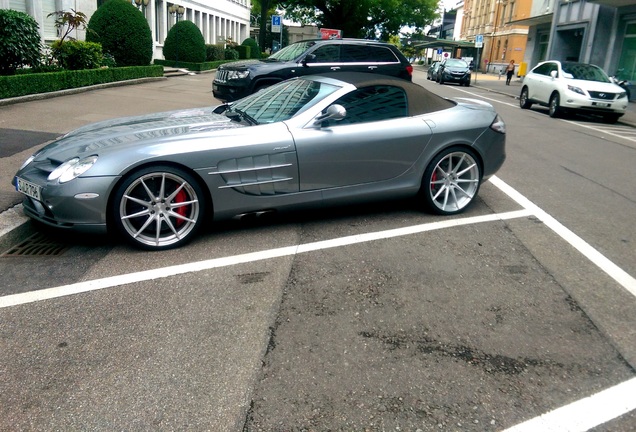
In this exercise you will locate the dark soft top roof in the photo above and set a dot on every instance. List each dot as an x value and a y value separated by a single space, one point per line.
420 100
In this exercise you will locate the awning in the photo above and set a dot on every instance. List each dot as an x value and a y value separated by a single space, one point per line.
533 21
445 43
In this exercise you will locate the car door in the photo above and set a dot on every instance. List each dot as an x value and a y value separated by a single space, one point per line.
376 141
324 58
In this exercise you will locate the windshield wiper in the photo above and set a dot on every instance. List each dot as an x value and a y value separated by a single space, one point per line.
234 113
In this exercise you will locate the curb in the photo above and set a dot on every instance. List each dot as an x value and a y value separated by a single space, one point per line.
41 96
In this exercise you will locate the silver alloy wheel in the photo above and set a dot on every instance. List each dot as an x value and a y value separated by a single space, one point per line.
524 103
454 182
159 209
555 110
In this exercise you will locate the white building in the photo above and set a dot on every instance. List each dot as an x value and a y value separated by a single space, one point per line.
218 20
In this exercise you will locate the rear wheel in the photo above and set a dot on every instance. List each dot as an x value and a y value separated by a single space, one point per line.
451 181
524 102
555 106
158 208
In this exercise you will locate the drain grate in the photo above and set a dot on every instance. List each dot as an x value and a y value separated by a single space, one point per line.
37 245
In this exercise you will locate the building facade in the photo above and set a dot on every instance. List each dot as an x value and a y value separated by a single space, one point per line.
218 20
495 21
602 32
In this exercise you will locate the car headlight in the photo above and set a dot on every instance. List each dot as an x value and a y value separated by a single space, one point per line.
232 75
576 90
72 168
621 95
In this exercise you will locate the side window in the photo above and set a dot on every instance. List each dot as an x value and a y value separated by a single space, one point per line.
374 103
327 54
367 54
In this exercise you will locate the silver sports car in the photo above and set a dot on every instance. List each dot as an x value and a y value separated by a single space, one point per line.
312 141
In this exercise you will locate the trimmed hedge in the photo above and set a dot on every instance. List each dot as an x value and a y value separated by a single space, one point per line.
22 85
184 43
194 67
244 51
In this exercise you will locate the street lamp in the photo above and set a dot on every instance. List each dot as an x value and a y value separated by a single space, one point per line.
142 5
177 11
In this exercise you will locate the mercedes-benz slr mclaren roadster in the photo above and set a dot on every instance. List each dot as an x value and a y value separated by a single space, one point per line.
312 141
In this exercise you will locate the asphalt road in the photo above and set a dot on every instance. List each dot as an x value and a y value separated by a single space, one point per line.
330 320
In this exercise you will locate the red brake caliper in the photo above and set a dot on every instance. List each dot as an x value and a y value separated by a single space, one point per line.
181 197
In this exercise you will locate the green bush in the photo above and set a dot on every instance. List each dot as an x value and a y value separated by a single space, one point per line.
19 41
123 32
26 84
231 54
243 51
77 55
214 52
195 67
184 42
254 49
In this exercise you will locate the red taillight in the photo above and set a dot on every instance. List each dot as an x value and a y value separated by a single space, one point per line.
409 69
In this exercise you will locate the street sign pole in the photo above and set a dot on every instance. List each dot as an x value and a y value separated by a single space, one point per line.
479 43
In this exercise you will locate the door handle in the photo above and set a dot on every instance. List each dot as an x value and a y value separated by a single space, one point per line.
335 68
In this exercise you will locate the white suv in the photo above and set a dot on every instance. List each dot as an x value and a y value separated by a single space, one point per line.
573 87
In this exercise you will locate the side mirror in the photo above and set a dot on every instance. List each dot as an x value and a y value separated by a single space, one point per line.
309 58
333 112
554 74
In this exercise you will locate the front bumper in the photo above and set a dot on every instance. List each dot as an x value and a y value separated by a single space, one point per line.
578 102
68 206
227 92
456 77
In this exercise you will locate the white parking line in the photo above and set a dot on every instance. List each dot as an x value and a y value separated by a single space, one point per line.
113 281
612 270
578 416
587 413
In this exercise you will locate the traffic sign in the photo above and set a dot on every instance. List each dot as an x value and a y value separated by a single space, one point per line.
479 41
276 20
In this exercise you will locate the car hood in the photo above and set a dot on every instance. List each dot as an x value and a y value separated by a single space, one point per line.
456 69
123 133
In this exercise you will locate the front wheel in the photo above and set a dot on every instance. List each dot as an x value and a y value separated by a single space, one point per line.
451 181
524 102
158 208
555 106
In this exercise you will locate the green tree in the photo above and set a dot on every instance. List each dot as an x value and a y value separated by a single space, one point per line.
123 32
262 10
363 18
184 42
19 41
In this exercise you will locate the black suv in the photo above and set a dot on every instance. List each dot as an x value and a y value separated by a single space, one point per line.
316 57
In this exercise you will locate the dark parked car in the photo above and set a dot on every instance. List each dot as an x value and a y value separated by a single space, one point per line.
431 74
454 71
311 57
306 142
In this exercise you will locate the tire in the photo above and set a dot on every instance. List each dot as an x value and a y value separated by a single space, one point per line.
524 102
467 83
158 208
451 181
555 106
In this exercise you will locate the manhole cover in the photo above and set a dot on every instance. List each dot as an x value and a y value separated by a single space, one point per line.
37 245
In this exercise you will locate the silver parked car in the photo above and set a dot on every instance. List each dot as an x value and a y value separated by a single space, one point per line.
312 141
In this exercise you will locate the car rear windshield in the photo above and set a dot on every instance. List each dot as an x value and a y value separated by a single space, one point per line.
456 63
292 51
581 71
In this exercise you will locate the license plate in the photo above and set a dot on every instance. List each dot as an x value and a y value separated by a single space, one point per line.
29 189
601 104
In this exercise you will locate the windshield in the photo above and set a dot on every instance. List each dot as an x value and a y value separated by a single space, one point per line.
582 71
292 51
282 101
